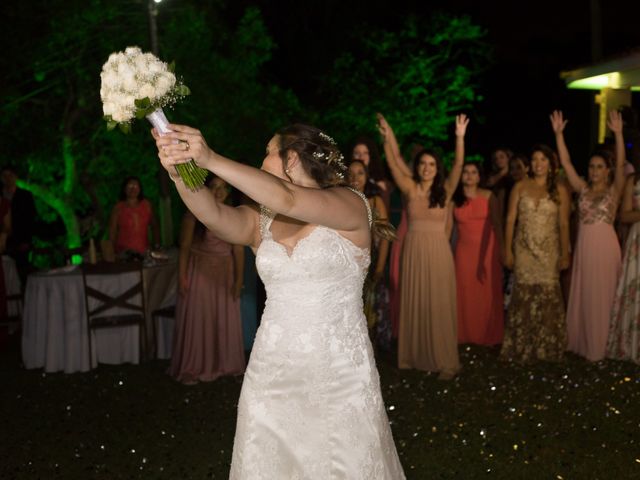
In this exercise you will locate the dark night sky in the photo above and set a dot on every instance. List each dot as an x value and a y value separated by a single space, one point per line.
533 41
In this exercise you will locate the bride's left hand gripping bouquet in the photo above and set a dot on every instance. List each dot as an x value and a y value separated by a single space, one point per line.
136 85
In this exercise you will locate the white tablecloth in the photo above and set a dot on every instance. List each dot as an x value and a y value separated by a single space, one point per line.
54 333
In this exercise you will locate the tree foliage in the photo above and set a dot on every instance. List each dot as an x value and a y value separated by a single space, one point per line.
419 77
51 119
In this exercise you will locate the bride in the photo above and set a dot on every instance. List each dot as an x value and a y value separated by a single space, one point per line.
310 406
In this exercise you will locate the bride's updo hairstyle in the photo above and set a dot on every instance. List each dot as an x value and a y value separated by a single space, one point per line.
318 153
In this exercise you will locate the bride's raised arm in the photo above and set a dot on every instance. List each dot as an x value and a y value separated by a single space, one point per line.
336 208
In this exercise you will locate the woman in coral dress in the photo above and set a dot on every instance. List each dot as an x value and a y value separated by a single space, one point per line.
427 338
208 335
131 218
596 260
477 260
539 214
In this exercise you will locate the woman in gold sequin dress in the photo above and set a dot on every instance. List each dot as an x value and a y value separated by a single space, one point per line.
539 207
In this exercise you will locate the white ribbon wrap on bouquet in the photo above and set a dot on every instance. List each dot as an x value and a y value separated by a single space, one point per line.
159 121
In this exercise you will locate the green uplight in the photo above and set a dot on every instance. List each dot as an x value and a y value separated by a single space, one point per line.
598 82
591 83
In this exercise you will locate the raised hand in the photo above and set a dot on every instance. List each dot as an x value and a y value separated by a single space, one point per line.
461 124
182 145
615 122
557 121
383 126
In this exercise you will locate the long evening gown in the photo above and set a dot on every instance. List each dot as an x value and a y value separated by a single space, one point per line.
428 331
624 331
208 334
311 406
596 267
478 275
395 259
536 328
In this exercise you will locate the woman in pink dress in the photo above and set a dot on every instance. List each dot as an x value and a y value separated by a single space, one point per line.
131 218
477 260
427 338
208 335
596 264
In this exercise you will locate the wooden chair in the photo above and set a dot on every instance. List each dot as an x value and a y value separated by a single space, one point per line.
98 316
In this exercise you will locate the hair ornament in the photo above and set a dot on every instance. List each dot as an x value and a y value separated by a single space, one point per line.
327 138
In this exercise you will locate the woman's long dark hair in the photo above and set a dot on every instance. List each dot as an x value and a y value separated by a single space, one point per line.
370 188
123 188
376 168
438 194
379 226
318 153
552 176
459 198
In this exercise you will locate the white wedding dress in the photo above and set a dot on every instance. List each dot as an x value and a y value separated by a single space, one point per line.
311 406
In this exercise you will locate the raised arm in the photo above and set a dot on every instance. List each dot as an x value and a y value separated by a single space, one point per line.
558 123
615 124
400 172
627 213
451 183
336 208
390 135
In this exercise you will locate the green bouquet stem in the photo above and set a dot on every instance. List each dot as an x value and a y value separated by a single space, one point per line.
192 175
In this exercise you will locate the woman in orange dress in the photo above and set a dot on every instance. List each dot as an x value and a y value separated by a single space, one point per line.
477 259
131 218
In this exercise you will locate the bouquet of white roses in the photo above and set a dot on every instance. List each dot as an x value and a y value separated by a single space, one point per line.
137 85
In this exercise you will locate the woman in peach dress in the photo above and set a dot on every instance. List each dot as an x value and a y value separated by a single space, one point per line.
427 338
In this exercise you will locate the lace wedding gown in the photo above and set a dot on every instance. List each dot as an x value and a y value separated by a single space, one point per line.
311 406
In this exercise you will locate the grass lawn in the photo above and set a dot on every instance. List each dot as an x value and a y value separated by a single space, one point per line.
573 420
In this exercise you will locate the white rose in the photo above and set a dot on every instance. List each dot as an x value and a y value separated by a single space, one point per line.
130 84
141 64
157 66
108 108
133 51
147 90
164 83
127 101
110 80
120 115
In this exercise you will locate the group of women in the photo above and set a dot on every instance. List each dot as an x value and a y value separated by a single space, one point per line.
500 284
521 221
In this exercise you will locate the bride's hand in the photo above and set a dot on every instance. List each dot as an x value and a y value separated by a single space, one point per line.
180 146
